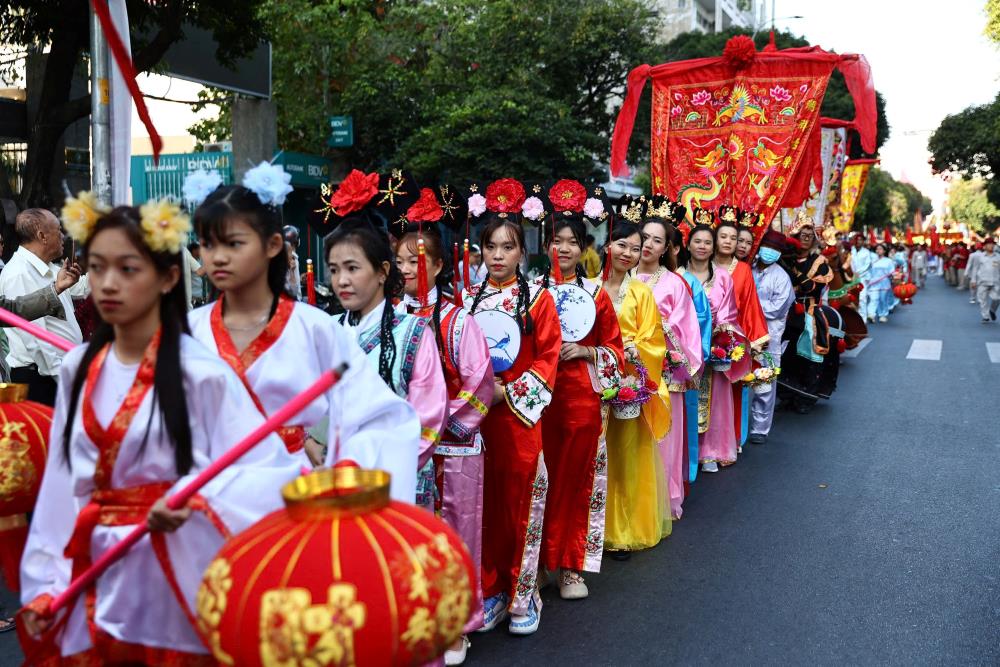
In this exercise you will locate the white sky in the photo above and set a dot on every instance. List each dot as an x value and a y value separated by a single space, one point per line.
928 59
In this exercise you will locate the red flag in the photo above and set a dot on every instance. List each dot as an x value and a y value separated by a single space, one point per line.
887 235
871 237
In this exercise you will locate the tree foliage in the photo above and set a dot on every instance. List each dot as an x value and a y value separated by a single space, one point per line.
968 204
968 144
63 26
993 21
887 202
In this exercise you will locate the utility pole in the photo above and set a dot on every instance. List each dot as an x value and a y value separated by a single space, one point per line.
100 113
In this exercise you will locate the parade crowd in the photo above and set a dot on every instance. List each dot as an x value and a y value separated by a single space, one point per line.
550 419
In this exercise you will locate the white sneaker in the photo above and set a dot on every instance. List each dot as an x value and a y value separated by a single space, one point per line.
739 449
527 623
710 466
572 586
457 656
883 319
494 611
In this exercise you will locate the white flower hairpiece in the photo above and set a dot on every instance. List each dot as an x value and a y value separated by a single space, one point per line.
477 205
532 208
269 182
199 184
593 208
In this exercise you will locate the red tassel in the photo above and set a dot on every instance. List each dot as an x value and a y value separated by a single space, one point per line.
422 289
12 541
465 266
454 280
556 270
310 283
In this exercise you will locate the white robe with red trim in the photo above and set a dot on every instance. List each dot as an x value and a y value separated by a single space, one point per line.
134 601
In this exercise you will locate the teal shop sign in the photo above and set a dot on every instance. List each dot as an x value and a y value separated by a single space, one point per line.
341 132
308 171
166 179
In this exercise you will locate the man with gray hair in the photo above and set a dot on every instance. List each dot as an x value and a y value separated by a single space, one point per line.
32 268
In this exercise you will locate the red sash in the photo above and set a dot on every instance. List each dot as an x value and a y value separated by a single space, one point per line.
294 437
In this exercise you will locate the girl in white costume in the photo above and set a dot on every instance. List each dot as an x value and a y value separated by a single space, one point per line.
140 411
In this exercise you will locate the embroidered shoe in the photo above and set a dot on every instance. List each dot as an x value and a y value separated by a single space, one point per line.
527 623
456 656
494 611
572 586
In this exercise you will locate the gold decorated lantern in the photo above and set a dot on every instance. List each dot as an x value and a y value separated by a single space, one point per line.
340 576
24 434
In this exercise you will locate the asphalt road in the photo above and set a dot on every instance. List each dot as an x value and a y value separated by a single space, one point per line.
864 533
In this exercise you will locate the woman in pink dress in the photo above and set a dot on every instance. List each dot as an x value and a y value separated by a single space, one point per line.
683 363
717 444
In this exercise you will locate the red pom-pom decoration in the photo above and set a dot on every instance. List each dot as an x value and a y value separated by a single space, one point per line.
800 309
841 345
739 52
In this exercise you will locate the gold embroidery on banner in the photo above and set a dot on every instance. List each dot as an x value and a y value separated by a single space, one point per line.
295 632
18 473
211 605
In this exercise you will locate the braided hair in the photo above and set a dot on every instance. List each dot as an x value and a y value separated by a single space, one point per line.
521 314
575 225
433 249
685 256
374 244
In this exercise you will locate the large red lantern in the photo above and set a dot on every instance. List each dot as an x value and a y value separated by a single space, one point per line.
341 576
24 434
904 292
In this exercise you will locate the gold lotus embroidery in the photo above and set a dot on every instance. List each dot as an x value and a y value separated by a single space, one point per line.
294 632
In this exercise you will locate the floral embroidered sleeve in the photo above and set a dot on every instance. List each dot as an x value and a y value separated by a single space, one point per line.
531 392
609 353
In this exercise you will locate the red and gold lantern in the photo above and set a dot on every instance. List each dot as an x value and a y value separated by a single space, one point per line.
340 576
24 434
904 292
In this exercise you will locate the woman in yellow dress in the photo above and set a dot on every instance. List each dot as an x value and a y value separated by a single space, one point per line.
638 504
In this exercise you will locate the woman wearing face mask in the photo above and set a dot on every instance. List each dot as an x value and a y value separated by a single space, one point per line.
574 426
749 313
715 415
638 508
141 410
401 347
774 288
465 360
683 361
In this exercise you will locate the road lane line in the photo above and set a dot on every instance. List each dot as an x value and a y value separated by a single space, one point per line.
850 354
925 350
993 349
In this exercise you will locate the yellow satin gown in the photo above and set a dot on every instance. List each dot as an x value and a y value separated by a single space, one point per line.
638 505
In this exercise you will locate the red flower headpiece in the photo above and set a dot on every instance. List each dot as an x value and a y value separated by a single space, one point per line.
354 192
568 195
426 209
505 196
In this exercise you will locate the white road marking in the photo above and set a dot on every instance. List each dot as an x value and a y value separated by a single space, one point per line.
993 349
850 354
925 350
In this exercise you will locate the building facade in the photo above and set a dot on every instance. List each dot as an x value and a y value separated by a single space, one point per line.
680 16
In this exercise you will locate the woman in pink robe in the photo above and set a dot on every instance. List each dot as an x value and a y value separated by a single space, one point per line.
684 356
717 445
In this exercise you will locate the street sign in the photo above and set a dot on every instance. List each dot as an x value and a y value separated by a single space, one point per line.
310 171
341 132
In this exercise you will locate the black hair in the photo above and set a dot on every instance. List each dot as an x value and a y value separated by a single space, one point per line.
522 314
590 239
434 250
685 255
168 380
374 243
235 201
575 225
620 230
667 259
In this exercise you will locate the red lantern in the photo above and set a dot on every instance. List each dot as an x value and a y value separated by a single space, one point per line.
904 292
341 576
24 432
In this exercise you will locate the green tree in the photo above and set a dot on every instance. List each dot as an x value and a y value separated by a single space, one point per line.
63 27
968 144
969 204
887 202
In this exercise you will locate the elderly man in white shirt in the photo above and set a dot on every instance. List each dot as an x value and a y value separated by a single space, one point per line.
31 268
